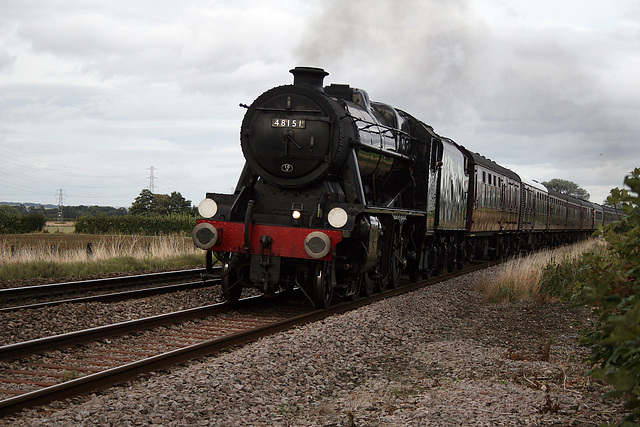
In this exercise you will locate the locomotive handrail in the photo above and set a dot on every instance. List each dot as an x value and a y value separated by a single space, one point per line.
287 110
385 127
383 151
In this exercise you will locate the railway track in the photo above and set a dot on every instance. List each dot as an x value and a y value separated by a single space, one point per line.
39 371
135 286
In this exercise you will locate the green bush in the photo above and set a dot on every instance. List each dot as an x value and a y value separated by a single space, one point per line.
611 285
12 222
136 224
560 280
33 222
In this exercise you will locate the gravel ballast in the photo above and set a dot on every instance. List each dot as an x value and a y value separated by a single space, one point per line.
435 357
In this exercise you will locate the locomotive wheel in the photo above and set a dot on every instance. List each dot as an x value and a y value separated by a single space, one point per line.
231 284
322 290
449 256
368 285
436 261
462 257
382 284
354 290
395 270
396 262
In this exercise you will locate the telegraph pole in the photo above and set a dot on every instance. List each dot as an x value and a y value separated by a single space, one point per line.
152 179
60 195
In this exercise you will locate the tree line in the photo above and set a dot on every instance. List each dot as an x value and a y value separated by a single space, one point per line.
27 219
68 212
146 203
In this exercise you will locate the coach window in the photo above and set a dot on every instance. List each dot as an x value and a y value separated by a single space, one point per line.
484 188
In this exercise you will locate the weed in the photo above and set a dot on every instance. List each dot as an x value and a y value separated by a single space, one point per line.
351 419
71 375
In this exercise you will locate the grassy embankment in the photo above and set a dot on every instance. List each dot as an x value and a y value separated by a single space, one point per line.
61 254
544 275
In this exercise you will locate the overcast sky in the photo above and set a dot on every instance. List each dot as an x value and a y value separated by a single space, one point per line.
95 93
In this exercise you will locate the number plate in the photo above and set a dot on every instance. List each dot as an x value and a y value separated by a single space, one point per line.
288 123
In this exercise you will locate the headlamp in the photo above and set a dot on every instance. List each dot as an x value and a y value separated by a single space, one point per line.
207 208
337 217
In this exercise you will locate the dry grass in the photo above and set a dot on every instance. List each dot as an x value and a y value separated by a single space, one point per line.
520 278
103 248
71 256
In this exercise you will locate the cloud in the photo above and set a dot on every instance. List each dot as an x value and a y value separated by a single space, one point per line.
526 92
544 87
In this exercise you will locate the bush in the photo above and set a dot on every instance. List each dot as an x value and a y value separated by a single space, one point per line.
136 224
33 222
560 280
611 286
15 223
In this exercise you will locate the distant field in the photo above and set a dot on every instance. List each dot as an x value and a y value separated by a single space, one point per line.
55 227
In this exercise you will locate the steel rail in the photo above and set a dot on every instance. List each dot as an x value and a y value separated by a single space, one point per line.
92 382
12 351
48 289
116 296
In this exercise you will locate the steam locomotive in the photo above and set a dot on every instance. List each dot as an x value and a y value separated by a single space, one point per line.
340 196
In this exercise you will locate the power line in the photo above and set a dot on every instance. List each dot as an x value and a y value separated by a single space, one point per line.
57 171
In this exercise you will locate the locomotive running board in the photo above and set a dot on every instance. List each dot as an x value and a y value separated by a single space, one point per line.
393 211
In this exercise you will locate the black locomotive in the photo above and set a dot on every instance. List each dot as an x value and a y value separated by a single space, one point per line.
340 196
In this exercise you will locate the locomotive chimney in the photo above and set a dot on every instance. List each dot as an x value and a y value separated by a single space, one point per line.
309 77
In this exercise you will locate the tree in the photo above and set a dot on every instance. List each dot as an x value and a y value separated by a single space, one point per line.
567 187
143 203
163 204
178 204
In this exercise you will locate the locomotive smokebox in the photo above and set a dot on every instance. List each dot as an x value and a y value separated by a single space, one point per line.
309 77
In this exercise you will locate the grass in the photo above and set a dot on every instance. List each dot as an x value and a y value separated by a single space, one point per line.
548 274
59 255
57 227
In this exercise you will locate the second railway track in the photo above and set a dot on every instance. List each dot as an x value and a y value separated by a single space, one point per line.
104 290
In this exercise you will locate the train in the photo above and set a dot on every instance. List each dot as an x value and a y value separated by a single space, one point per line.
340 196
